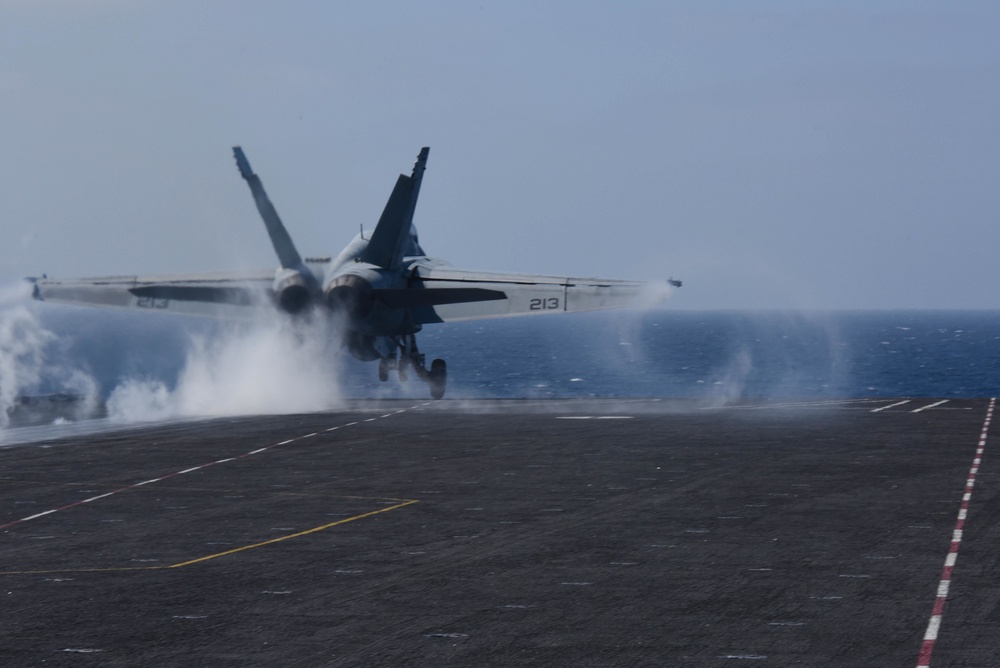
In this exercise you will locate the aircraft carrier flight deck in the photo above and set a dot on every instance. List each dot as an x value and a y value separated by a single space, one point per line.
451 533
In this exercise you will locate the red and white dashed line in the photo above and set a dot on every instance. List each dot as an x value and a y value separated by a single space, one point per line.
937 614
191 470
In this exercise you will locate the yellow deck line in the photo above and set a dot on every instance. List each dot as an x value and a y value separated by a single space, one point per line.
293 535
219 554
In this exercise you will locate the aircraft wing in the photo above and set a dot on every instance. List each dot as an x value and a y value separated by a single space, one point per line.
438 293
219 295
524 294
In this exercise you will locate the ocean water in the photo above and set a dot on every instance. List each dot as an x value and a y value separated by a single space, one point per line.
718 356
728 356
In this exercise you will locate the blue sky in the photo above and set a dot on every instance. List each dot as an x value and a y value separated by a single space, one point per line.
772 154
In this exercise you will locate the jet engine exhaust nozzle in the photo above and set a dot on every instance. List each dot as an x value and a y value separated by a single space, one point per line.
351 296
292 290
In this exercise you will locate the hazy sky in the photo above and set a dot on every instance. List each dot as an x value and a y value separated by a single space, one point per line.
771 154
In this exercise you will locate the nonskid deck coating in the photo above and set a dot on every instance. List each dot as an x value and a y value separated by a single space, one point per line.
505 533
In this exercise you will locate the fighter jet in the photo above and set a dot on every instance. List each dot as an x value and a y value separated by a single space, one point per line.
381 289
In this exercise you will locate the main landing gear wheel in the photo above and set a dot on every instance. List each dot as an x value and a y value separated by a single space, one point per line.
410 358
437 378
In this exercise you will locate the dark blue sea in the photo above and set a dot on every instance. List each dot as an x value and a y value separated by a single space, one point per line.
730 355
725 356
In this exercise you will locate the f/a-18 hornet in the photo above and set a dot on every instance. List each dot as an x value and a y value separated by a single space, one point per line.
382 287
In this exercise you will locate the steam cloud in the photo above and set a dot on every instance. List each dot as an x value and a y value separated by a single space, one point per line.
268 368
22 344
25 346
243 370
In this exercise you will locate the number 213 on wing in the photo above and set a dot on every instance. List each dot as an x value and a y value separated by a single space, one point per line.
544 304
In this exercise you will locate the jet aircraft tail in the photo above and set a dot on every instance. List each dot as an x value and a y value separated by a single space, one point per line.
280 239
389 240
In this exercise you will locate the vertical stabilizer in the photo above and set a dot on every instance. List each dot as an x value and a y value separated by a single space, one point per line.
388 241
282 242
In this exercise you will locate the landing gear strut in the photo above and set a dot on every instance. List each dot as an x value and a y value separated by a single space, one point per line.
409 357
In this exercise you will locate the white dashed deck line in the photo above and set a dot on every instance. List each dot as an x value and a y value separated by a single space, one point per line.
95 498
594 417
885 408
832 403
935 404
191 470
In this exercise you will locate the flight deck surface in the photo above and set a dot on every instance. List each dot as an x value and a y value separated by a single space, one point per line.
584 533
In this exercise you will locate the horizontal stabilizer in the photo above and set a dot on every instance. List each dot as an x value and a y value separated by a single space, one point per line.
241 296
410 298
199 293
